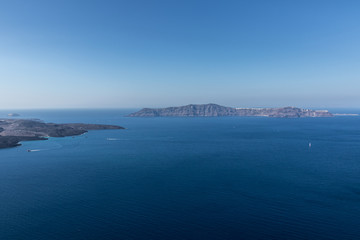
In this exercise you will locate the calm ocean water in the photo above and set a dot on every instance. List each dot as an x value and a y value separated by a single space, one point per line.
184 178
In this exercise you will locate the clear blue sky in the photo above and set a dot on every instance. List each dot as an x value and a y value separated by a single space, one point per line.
75 54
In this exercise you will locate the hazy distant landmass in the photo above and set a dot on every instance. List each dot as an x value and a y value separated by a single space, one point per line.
13 131
214 110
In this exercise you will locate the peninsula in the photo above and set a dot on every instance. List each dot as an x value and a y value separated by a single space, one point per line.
13 131
214 110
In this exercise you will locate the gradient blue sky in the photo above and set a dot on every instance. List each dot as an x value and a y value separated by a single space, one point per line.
93 54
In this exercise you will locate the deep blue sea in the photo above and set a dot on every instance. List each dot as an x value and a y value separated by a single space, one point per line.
184 178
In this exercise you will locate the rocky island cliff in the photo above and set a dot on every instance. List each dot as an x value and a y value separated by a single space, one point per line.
214 110
13 131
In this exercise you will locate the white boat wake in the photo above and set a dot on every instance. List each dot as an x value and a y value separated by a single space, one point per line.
56 146
36 150
116 139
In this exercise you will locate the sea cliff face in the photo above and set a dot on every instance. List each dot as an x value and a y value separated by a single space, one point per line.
214 110
205 110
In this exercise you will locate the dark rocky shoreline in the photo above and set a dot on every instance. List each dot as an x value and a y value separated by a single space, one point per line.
13 131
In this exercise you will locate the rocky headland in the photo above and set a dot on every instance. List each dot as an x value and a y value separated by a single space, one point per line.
13 131
214 110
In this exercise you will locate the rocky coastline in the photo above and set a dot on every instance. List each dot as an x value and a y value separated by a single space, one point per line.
13 131
214 110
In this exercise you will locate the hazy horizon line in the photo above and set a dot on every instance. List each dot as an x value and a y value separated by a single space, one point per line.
178 105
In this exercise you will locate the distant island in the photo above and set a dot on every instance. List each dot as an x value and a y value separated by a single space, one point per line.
214 110
13 131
